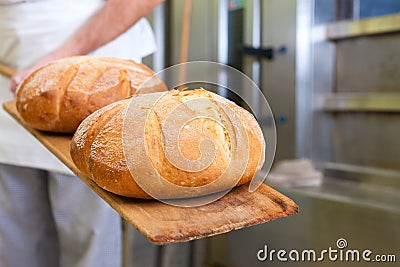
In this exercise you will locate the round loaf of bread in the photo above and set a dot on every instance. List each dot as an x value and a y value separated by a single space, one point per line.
104 150
58 96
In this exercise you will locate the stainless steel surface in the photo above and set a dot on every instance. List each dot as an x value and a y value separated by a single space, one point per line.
365 27
252 37
323 67
347 191
278 76
223 31
368 71
356 203
369 64
203 35
256 42
366 139
359 80
356 9
363 102
304 23
159 26
367 217
365 175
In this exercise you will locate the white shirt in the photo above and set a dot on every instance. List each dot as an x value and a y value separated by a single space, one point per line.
11 2
31 30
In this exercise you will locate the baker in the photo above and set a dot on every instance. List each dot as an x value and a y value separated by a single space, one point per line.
48 217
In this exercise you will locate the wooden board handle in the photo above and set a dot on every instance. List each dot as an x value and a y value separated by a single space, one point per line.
7 71
185 36
186 20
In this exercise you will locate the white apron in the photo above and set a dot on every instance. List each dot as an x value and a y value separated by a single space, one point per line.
31 30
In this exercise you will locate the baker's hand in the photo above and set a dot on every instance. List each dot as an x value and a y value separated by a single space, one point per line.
21 75
18 78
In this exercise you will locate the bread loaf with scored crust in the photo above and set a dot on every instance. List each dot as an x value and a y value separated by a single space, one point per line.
98 150
58 96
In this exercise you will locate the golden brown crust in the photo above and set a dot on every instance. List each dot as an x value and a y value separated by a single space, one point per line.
88 131
58 96
102 156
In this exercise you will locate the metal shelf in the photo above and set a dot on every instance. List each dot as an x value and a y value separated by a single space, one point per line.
362 174
354 185
365 27
361 102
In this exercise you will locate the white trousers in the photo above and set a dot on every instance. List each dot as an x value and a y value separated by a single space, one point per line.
50 219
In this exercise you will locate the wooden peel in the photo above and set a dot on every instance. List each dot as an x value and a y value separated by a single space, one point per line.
185 37
186 20
162 223
7 71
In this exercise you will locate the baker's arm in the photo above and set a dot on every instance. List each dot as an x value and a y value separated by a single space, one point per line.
113 19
